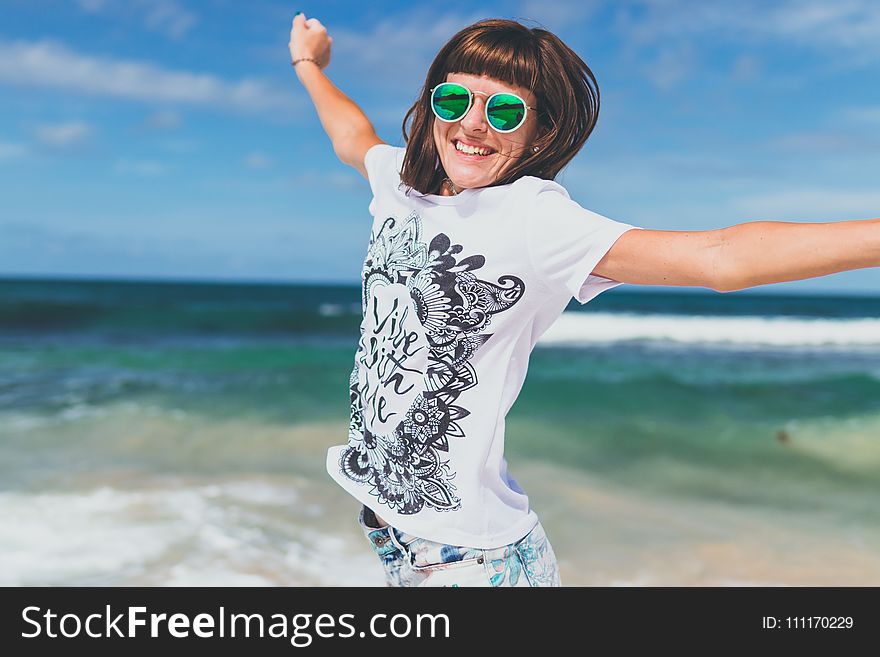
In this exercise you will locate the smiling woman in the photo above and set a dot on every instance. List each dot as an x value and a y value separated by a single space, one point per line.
474 252
461 140
491 57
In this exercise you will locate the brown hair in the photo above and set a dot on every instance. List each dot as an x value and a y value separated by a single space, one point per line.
566 91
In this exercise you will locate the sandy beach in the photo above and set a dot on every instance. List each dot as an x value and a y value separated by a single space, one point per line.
177 435
164 525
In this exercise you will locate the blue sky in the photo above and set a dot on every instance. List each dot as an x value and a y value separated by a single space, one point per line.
172 139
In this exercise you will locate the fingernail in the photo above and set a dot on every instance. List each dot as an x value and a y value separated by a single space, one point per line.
297 14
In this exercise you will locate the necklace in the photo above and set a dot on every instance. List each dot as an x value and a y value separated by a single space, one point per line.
451 185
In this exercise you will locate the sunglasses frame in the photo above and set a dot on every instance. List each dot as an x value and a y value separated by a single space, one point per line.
485 106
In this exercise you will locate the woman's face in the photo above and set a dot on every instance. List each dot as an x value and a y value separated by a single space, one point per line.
475 171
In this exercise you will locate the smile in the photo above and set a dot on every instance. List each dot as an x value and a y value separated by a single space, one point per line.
470 152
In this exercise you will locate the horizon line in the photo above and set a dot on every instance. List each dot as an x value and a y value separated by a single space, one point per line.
625 288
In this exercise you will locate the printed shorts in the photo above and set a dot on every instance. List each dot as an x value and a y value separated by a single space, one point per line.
412 561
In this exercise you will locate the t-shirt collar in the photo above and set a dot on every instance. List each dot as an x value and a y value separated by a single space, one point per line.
455 199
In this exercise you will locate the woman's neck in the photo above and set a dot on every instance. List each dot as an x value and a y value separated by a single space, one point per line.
448 188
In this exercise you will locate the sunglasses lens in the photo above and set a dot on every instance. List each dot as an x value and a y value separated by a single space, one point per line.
450 101
506 112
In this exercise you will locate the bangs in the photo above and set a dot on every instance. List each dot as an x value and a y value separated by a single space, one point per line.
511 59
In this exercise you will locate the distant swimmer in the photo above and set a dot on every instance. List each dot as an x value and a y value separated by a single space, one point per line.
783 437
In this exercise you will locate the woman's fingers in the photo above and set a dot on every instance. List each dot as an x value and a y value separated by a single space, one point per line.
309 39
309 23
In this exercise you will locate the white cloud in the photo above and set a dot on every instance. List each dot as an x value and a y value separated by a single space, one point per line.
92 6
404 43
746 68
842 35
810 203
62 135
861 114
163 120
671 66
555 15
50 64
167 17
257 160
141 167
848 24
10 151
335 180
826 143
846 28
177 145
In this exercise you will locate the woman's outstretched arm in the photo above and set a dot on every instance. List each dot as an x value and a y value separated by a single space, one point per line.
763 252
349 129
743 255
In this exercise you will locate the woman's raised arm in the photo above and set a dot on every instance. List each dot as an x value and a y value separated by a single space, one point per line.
349 129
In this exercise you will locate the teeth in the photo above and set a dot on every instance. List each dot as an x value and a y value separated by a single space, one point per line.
470 149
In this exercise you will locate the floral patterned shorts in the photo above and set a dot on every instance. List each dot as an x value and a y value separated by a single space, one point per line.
412 561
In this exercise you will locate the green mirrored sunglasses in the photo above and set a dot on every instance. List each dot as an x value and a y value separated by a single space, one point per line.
505 112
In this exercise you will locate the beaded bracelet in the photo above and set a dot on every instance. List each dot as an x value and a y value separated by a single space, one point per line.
305 59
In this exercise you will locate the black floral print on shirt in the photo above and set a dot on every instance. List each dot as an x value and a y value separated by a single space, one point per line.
425 315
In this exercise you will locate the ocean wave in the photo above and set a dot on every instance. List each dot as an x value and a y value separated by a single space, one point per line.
583 328
228 533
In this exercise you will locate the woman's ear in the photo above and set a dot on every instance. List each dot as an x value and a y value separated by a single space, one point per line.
542 130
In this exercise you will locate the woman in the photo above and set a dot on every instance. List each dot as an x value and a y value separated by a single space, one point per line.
474 252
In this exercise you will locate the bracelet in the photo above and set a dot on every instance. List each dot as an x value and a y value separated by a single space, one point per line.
305 59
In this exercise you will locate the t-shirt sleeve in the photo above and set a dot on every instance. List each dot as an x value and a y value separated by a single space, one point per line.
566 241
383 163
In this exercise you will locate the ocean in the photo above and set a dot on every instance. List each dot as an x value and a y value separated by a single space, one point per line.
175 433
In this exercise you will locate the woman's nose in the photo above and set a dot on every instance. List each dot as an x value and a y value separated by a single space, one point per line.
475 119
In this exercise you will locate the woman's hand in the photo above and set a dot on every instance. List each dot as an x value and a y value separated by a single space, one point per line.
308 38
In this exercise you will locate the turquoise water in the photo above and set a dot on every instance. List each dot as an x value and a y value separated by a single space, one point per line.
149 400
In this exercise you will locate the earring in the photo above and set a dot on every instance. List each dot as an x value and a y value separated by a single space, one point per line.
535 149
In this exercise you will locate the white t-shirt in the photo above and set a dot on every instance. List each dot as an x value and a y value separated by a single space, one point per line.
456 292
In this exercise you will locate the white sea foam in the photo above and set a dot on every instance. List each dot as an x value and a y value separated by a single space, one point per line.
582 328
49 539
234 533
334 309
25 421
330 309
